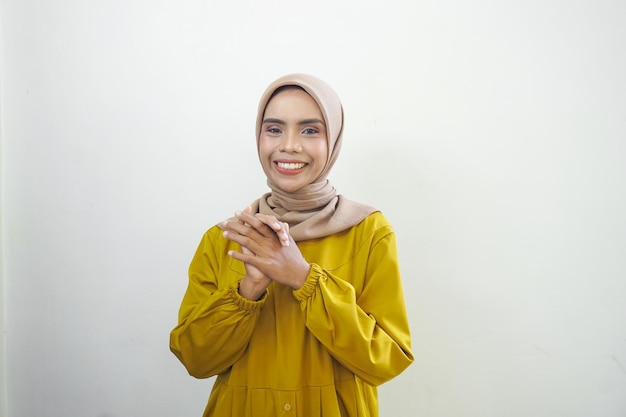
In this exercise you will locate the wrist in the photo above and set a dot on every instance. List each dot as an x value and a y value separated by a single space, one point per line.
301 276
252 289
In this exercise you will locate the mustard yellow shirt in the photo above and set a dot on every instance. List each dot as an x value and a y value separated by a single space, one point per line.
320 350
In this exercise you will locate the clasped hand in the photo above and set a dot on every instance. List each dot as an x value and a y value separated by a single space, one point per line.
268 252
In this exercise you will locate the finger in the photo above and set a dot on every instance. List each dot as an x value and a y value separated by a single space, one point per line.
244 241
247 210
224 223
271 221
243 257
254 222
236 226
248 259
246 225
283 235
281 229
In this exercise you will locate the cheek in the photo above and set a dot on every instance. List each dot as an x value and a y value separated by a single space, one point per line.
321 152
265 148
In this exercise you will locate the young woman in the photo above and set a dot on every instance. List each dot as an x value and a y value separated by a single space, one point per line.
296 303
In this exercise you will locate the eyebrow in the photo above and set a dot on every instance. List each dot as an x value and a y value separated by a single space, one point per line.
301 122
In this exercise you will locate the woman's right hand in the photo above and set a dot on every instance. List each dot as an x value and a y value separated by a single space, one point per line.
254 284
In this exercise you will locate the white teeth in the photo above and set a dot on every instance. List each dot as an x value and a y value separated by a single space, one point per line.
290 165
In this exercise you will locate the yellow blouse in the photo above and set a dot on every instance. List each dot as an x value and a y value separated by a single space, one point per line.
320 350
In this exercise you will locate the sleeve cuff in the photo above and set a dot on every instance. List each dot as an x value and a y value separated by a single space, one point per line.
242 302
310 285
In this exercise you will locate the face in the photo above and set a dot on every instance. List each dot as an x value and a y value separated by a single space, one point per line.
293 144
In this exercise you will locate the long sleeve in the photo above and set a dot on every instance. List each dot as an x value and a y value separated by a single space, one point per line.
215 321
361 321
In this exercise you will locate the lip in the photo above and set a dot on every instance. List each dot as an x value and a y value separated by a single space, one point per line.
286 171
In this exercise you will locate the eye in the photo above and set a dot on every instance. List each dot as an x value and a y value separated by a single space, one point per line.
310 131
273 130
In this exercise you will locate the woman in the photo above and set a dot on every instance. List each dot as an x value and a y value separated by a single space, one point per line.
296 303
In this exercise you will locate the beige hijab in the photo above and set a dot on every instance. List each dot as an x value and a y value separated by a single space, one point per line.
316 210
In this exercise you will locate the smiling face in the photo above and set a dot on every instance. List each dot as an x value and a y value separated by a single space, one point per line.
293 142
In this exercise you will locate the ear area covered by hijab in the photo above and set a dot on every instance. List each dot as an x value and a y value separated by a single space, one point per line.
316 210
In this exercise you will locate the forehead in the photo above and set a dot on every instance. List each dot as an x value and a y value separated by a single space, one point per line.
292 100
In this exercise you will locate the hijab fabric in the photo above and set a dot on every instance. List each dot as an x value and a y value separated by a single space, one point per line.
316 210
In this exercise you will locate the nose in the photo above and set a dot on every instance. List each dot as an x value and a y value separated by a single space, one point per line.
290 142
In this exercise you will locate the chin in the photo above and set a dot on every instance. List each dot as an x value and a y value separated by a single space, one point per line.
289 187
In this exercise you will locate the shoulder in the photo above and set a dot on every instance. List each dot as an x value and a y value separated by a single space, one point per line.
213 240
213 233
375 220
373 228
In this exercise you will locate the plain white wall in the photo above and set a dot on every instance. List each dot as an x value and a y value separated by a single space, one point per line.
492 134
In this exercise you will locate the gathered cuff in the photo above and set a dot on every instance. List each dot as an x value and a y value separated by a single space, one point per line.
310 285
242 302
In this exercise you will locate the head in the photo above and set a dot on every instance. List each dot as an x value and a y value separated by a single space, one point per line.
299 128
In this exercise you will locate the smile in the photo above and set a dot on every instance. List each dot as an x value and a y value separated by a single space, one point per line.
290 165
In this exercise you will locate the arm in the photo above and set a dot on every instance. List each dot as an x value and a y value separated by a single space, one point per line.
215 321
368 334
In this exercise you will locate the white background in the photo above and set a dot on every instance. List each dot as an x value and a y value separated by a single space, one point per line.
492 134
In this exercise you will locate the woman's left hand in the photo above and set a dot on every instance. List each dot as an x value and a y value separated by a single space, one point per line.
258 233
